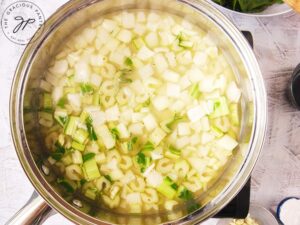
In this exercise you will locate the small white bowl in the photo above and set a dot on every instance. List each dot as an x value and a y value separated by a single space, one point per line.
273 10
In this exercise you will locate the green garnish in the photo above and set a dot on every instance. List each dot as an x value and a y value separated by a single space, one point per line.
148 146
115 133
83 181
147 103
194 91
177 117
143 160
90 128
86 88
174 150
61 102
128 62
107 177
193 207
88 156
66 185
59 151
123 76
185 194
131 143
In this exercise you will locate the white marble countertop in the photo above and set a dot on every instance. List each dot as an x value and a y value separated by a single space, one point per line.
277 173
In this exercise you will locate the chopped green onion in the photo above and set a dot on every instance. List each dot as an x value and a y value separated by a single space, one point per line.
147 103
177 117
59 151
185 194
83 116
175 150
90 169
216 131
131 143
83 181
138 43
220 108
185 44
71 125
115 133
77 146
143 160
90 128
107 177
80 136
68 187
125 80
61 116
193 206
194 91
128 62
86 88
61 102
167 188
88 156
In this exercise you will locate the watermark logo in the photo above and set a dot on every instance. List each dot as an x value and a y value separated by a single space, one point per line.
21 20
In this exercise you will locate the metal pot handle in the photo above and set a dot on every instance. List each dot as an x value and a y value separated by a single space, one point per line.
34 212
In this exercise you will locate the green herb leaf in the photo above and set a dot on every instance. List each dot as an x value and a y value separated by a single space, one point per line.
61 102
185 194
83 181
174 186
59 151
90 128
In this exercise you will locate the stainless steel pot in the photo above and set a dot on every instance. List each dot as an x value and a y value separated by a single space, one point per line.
25 130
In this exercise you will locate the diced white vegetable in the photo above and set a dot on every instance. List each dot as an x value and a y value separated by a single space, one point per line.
57 93
139 29
196 113
183 129
128 177
123 131
148 170
226 142
205 126
144 53
207 137
184 82
207 84
112 44
137 117
106 136
200 58
126 116
151 39
182 142
60 67
173 90
74 100
150 122
160 62
141 17
169 204
146 71
212 51
109 25
156 154
198 164
117 57
128 20
233 93
82 72
171 76
98 117
171 58
124 36
89 34
160 103
154 179
178 105
133 198
136 128
96 60
195 139
195 75
157 136
112 113
76 157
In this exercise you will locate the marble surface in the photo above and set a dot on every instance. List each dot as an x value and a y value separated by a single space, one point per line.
277 173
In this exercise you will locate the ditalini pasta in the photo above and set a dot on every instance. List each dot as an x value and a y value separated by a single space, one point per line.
140 112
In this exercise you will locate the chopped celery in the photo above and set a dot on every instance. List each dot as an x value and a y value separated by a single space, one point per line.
96 99
148 146
143 160
90 169
80 135
131 143
167 188
88 156
91 193
173 153
67 185
77 146
234 114
128 62
71 125
86 88
216 131
164 126
47 101
220 108
194 91
59 151
184 193
83 116
90 128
